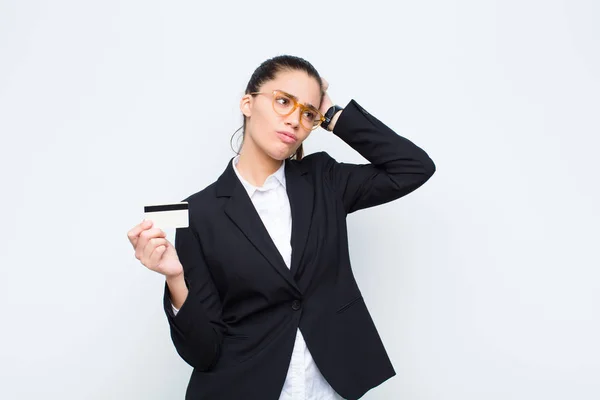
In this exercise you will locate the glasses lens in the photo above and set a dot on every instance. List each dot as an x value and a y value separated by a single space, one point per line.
282 103
310 117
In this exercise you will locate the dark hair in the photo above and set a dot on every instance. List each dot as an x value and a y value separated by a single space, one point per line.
268 70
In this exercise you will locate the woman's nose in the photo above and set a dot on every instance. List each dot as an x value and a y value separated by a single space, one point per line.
294 118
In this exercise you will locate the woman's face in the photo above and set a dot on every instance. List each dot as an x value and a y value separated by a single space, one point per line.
279 136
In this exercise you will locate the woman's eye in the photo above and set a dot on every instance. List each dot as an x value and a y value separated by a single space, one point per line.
310 115
283 100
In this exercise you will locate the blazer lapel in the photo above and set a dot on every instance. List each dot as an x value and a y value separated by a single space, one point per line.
241 211
301 195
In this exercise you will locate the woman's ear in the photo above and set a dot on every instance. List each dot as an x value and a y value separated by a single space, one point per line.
246 105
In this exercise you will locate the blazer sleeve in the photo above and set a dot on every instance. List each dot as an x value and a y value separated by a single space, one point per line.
197 329
397 166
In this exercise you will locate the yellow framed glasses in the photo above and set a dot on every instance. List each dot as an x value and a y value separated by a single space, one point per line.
284 104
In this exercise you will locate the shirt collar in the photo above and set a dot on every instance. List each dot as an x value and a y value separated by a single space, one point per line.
275 179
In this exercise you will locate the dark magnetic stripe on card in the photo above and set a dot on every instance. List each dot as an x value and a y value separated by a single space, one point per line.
166 207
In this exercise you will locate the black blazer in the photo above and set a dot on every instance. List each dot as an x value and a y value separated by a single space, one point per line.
238 324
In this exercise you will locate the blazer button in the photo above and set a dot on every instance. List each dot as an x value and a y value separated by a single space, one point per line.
296 305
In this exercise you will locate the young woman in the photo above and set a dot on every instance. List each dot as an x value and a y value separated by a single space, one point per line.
260 295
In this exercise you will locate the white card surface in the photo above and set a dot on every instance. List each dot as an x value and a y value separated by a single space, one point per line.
167 216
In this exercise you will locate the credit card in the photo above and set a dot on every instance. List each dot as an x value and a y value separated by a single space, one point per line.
167 216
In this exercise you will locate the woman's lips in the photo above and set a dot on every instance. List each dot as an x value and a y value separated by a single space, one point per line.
287 137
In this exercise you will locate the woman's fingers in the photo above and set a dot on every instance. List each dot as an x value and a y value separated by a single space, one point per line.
325 84
157 254
150 244
135 232
149 248
143 239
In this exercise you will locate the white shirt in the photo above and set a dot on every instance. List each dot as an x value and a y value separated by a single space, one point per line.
304 381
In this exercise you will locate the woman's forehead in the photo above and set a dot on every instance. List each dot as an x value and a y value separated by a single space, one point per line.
297 83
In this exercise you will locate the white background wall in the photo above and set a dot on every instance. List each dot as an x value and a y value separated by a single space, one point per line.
484 283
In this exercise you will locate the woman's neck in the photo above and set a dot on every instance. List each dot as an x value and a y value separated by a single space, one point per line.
255 165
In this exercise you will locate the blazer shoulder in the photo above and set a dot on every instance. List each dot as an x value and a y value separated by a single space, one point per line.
315 162
202 196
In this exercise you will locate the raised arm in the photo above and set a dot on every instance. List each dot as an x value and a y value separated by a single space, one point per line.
397 166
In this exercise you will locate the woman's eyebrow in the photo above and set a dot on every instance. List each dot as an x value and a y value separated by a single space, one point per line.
296 98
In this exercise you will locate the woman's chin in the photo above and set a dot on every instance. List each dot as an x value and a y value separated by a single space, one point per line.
281 153
281 157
